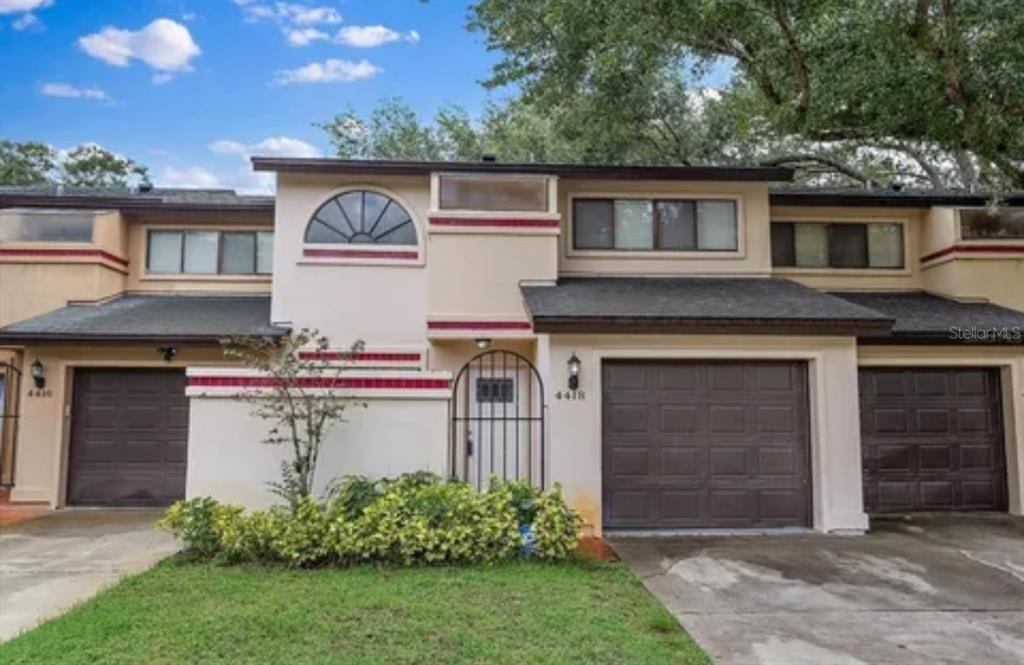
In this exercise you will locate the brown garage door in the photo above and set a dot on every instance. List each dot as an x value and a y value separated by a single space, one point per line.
705 444
129 437
932 439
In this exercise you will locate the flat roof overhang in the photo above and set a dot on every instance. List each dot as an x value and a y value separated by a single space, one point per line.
567 171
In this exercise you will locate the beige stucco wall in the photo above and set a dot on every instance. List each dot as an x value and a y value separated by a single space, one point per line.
752 258
1008 359
41 455
386 438
907 278
383 304
31 288
999 280
574 450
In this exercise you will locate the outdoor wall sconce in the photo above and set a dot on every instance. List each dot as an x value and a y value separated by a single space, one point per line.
483 343
38 374
574 372
168 352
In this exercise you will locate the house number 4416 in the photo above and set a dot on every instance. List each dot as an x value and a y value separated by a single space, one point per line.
571 394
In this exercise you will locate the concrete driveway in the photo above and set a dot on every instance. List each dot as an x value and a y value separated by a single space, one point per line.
930 589
52 562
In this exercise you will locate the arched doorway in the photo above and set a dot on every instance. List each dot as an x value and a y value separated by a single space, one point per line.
497 427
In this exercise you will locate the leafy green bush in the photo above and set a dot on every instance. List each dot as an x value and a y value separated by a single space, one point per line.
414 519
555 528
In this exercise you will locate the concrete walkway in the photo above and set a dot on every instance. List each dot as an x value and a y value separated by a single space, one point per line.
923 590
50 563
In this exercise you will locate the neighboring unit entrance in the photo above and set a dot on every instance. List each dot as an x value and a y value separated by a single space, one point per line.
932 439
129 437
699 444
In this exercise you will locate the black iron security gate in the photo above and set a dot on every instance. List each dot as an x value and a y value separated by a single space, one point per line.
10 394
498 420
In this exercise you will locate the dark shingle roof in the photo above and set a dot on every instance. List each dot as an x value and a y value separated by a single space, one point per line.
125 197
638 304
884 196
137 317
928 317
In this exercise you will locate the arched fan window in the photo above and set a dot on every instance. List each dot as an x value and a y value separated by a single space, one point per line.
361 217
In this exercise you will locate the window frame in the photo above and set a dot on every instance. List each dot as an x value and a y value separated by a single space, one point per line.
343 253
958 214
550 181
94 216
655 253
904 269
218 274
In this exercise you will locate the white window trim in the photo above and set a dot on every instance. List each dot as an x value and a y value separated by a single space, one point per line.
702 254
849 272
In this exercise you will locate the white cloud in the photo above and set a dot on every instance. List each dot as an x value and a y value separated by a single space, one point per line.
370 36
164 45
22 6
71 92
329 71
289 13
161 78
27 22
303 36
275 146
193 176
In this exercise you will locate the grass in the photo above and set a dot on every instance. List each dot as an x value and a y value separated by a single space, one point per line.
182 612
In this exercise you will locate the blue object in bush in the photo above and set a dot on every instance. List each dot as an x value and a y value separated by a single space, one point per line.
526 531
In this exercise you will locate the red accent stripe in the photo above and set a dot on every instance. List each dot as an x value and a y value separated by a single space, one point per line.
500 223
64 253
479 325
359 254
362 356
324 382
973 249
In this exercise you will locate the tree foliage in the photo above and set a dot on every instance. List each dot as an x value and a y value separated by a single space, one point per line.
302 401
919 91
88 165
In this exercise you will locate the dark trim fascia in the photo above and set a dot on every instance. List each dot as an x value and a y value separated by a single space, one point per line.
102 203
674 326
928 339
867 200
568 171
51 338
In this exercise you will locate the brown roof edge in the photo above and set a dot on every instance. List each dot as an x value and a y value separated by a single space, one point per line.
78 338
655 326
392 167
885 200
148 203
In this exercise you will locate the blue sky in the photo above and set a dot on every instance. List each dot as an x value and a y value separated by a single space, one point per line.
191 88
191 98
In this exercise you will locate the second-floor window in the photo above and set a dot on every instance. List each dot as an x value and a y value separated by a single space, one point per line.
704 225
45 226
175 252
823 245
983 224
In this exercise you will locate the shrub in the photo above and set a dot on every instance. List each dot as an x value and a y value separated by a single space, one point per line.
414 519
556 527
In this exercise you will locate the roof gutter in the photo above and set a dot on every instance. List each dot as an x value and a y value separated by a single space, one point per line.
675 325
150 203
566 171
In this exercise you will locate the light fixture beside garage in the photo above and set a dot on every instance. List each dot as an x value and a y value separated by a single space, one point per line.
39 374
168 352
483 343
574 372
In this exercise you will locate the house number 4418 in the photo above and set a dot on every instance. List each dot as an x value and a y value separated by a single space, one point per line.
571 394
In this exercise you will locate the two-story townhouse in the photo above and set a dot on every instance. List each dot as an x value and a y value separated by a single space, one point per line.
105 297
677 347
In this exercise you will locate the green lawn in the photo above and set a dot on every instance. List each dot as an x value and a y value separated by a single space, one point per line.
181 612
